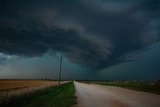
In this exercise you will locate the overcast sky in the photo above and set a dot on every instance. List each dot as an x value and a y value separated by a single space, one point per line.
98 39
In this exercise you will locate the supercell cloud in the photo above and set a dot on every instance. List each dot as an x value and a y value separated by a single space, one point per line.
93 34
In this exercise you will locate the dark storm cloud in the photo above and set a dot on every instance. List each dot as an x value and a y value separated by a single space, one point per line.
92 33
144 65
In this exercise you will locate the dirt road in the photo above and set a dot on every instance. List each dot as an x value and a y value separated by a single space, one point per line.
94 95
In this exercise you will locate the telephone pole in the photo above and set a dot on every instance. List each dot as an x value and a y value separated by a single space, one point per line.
60 70
69 76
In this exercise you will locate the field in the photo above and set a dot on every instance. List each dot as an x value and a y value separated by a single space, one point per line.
147 86
44 93
35 93
11 87
7 84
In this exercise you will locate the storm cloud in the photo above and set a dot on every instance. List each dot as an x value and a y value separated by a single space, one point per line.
92 33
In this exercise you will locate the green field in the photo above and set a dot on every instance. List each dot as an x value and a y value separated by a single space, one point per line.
152 87
58 96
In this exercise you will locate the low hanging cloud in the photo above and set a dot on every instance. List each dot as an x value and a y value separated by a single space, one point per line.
93 34
75 47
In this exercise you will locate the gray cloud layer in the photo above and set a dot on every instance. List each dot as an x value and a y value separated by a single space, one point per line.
92 33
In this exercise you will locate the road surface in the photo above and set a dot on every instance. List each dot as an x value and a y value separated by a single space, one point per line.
93 95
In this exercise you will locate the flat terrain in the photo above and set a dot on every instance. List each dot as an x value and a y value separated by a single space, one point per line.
146 86
55 96
10 84
20 86
94 95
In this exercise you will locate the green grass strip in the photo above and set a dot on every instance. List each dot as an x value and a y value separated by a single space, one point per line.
58 96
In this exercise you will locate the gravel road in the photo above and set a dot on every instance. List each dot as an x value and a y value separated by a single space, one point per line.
93 95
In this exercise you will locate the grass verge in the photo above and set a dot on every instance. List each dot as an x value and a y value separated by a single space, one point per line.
58 96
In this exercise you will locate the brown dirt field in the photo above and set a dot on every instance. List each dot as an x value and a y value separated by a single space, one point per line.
11 84
9 87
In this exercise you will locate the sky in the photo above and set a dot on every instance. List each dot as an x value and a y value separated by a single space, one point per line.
98 39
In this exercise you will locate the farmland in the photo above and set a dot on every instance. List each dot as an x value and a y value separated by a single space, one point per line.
12 87
45 93
33 93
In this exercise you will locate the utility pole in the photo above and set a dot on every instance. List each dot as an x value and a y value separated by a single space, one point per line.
69 76
60 70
